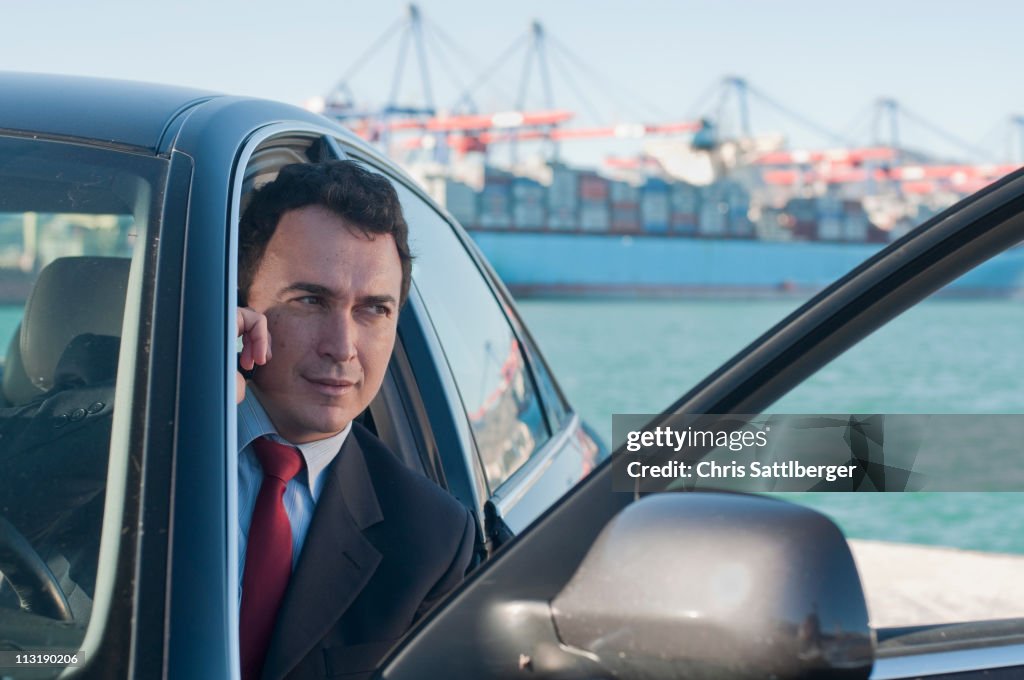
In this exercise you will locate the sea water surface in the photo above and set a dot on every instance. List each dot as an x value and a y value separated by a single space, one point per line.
960 356
943 356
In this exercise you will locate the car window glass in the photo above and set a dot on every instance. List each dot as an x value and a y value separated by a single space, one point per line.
557 409
946 355
70 221
485 355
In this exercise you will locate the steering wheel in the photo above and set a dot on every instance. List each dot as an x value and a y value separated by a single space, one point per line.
32 581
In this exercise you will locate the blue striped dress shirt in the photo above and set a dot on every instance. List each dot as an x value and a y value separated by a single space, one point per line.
301 493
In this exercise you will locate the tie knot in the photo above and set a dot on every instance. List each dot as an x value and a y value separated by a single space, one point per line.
277 460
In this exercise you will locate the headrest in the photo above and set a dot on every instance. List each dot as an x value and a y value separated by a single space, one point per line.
71 297
18 389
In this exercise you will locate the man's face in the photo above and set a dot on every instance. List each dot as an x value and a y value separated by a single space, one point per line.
330 295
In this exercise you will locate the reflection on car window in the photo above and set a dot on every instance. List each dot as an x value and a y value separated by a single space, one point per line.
557 409
485 355
69 220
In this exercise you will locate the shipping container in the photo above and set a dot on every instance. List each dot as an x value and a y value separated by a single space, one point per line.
773 224
528 204
714 217
527 190
685 198
738 199
724 209
804 215
856 223
593 188
595 216
459 198
594 212
830 228
562 198
740 226
623 193
495 205
496 175
654 206
684 224
624 199
528 217
831 223
626 219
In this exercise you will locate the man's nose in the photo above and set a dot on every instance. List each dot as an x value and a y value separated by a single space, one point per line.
338 336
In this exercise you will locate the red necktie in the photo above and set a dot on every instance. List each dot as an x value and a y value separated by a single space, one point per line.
268 555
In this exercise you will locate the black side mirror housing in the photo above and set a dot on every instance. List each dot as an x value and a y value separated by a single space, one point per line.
718 585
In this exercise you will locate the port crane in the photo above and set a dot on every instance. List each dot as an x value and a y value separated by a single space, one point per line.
406 128
887 163
462 129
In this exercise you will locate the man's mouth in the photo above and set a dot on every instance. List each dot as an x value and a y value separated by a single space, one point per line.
331 386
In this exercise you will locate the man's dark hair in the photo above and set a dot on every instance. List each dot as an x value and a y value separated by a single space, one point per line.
364 199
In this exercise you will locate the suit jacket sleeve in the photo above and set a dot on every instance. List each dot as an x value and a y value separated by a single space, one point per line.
456 570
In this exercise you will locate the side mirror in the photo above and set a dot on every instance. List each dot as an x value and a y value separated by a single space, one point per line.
718 585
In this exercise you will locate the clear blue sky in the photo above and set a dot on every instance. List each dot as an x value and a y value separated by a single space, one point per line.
958 65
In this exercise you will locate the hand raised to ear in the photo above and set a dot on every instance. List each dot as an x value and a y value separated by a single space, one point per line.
252 328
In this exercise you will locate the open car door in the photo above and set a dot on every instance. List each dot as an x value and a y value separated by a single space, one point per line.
621 584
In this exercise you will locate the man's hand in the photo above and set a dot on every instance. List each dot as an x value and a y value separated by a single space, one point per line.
252 327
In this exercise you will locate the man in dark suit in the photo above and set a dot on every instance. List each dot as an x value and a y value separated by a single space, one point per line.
341 546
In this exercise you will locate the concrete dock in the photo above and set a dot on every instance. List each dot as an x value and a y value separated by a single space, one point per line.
919 584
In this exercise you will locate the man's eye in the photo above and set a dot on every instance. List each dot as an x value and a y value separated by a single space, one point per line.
380 310
310 300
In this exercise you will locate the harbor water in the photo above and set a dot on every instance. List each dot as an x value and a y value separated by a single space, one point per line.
943 356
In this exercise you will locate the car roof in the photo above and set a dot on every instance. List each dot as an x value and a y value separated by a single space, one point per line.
116 112
121 112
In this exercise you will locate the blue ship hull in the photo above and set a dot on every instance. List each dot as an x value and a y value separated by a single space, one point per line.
559 264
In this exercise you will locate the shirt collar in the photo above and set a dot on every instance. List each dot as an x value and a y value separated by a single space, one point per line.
253 423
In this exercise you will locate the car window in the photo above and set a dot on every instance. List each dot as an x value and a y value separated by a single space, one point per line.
486 356
557 409
73 221
944 357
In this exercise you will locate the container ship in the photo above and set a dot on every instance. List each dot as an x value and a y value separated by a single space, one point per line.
563 231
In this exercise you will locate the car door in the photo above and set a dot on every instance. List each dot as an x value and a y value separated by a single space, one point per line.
508 599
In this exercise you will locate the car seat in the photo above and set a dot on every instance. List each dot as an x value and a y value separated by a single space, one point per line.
59 379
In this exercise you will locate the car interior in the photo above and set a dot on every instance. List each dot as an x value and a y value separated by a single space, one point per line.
58 385
68 257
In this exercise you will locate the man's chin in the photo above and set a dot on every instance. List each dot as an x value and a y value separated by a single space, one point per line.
312 431
318 419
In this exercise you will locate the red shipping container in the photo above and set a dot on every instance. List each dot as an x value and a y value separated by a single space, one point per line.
593 188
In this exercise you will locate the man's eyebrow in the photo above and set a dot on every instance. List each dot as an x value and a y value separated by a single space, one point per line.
311 288
324 291
377 300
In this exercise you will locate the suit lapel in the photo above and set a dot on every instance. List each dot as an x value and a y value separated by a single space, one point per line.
336 563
